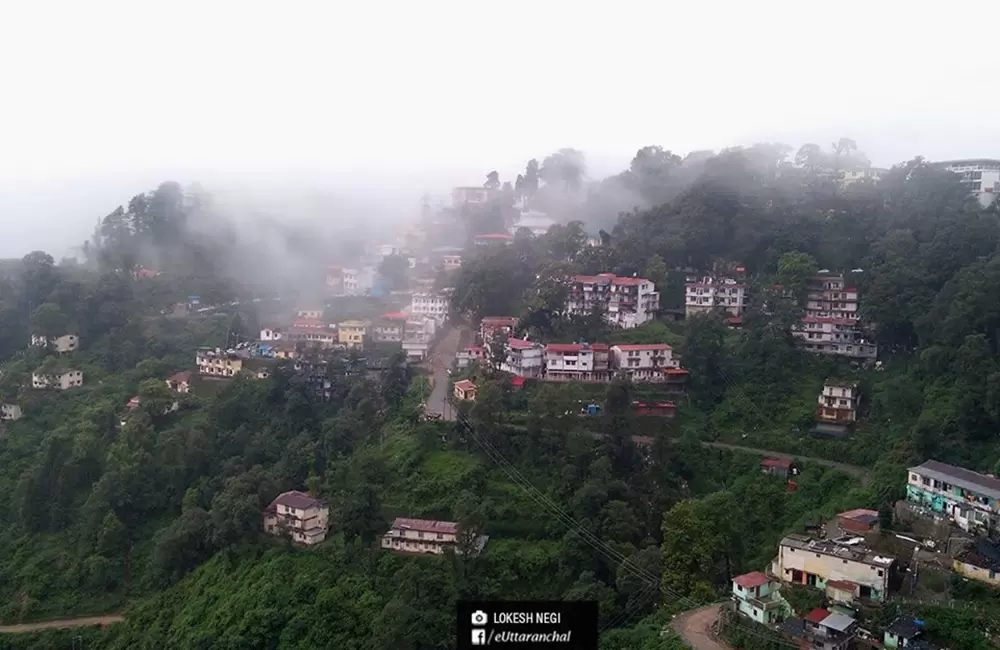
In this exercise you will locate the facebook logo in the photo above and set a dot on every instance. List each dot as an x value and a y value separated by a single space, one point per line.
479 637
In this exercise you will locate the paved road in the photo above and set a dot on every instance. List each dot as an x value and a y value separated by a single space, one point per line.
861 472
695 627
439 362
88 621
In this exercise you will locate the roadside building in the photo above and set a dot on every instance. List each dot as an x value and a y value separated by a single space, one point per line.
422 536
779 467
703 294
813 562
970 499
524 358
430 305
858 521
822 629
471 354
576 362
644 362
465 390
418 336
624 302
838 403
755 596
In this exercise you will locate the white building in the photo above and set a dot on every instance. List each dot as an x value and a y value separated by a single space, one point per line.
644 362
420 536
625 302
64 343
838 403
451 262
430 305
62 381
577 362
473 195
358 282
538 223
710 292
10 412
980 175
830 324
524 358
418 336
298 516
814 562
270 334
870 175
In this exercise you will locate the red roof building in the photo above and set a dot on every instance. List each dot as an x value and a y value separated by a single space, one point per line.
817 616
752 580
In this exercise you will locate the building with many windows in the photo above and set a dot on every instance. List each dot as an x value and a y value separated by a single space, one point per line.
524 358
970 499
430 305
815 562
299 516
703 294
838 403
644 362
830 324
625 302
980 175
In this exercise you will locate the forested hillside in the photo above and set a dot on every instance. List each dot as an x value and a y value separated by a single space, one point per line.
158 514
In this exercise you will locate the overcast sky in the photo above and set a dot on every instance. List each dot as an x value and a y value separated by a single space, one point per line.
100 99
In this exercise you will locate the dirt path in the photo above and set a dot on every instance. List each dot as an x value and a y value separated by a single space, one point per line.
862 473
695 627
88 621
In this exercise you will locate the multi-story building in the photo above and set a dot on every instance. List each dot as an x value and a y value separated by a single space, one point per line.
358 282
644 362
473 195
490 326
60 380
524 358
10 412
420 536
822 629
838 403
180 383
830 324
389 328
324 336
537 223
969 498
471 354
351 333
418 336
814 562
704 294
430 305
451 262
299 516
61 344
576 362
755 596
335 280
906 632
270 334
215 362
625 302
493 239
980 175
870 175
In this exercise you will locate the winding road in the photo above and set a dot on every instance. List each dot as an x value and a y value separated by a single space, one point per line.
695 627
87 621
863 474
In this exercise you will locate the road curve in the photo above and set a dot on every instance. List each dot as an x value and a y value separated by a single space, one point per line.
87 621
861 472
695 627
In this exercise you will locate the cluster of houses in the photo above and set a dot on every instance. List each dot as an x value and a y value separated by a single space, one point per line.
305 519
850 567
829 324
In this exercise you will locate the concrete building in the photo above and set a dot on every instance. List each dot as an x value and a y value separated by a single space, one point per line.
813 562
215 362
299 516
451 262
270 334
970 499
830 324
418 336
461 196
471 354
710 292
490 326
10 412
430 305
61 344
358 282
389 328
822 629
577 362
755 596
465 390
870 175
537 223
324 337
420 536
524 359
625 302
644 362
351 333
980 562
61 380
980 175
180 382
838 403
906 632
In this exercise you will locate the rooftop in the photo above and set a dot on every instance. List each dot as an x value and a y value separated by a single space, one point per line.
776 462
751 580
520 344
465 385
817 615
426 525
861 515
985 555
963 478
848 548
180 376
905 627
652 347
297 500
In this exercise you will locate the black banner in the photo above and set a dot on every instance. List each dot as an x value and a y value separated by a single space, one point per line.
533 625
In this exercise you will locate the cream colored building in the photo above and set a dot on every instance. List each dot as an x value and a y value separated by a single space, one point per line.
814 562
420 536
216 363
61 381
61 344
299 516
10 412
351 333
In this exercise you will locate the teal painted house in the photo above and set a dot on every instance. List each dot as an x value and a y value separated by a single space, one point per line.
969 498
756 596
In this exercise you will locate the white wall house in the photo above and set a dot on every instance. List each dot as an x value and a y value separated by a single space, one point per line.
10 412
625 302
709 292
64 343
524 358
643 362
430 305
270 334
420 536
299 516
61 381
980 175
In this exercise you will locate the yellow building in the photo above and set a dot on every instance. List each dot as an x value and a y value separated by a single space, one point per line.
351 333
980 562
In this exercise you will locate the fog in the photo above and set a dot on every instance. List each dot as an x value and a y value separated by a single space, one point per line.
349 112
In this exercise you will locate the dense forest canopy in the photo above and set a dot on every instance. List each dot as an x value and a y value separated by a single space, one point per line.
159 513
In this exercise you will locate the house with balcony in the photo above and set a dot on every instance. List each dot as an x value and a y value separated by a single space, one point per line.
358 282
711 292
61 344
625 302
524 359
58 379
576 362
10 412
218 363
418 336
351 333
389 328
647 362
464 391
430 305
814 562
755 595
471 354
490 326
838 403
830 324
420 536
821 629
299 516
970 499
180 382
